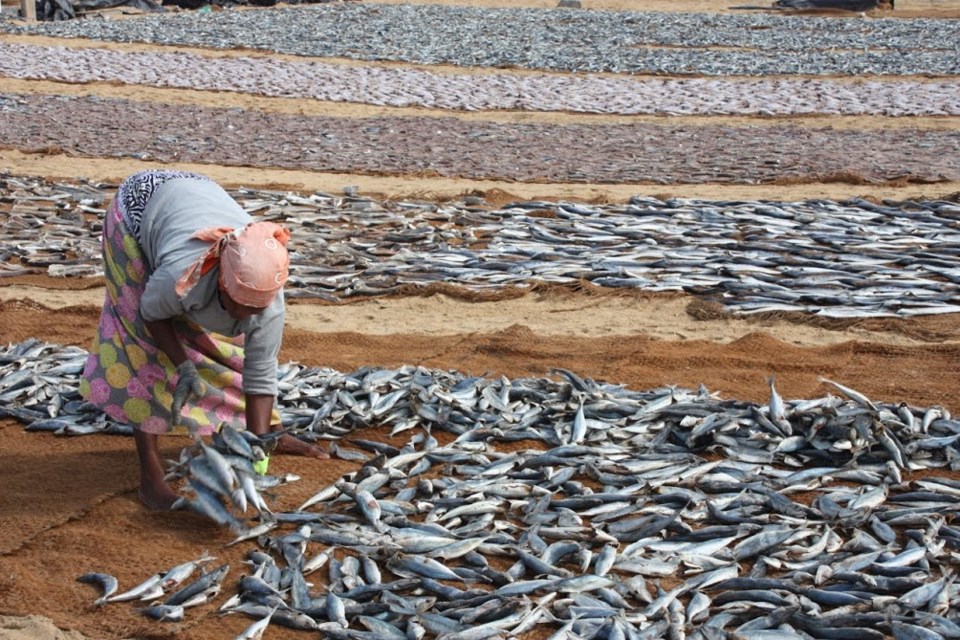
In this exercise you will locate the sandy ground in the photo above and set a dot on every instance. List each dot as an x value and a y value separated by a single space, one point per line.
68 506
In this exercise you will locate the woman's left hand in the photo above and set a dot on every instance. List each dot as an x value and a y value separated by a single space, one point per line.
259 413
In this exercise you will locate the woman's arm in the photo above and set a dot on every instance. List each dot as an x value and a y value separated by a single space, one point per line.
259 410
260 385
162 332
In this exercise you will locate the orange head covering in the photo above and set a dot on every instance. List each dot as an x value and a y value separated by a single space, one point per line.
254 263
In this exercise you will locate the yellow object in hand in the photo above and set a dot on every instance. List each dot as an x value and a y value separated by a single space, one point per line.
260 466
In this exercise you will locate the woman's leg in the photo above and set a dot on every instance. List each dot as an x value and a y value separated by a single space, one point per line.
155 493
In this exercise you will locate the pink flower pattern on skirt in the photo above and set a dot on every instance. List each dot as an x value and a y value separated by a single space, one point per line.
99 389
151 373
137 389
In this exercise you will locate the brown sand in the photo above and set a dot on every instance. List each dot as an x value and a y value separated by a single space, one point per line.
69 506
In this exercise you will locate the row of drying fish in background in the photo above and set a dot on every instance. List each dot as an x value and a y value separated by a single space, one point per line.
835 259
539 150
542 38
404 87
596 510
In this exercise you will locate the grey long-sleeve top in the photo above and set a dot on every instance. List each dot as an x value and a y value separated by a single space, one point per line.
176 210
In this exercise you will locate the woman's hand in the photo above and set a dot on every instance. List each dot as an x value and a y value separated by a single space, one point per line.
259 411
188 385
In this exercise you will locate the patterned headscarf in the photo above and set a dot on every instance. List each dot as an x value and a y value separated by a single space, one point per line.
254 263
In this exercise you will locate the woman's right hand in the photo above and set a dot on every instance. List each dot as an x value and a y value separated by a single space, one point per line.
188 383
188 386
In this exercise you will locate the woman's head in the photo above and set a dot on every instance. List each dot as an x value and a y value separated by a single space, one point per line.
254 264
236 310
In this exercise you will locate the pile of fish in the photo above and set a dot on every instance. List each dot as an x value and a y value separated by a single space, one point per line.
605 512
167 593
224 479
39 387
848 259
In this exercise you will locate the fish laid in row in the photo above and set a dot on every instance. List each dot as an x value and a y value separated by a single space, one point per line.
851 259
579 508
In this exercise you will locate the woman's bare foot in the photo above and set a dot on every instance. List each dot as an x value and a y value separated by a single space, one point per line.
157 497
290 446
154 492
